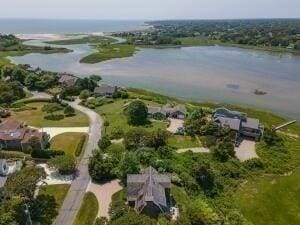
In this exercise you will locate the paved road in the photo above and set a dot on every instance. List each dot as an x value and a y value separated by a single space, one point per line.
74 198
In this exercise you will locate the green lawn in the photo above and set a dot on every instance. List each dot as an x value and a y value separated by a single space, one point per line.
35 117
88 210
195 41
67 142
58 191
108 52
113 113
84 40
178 141
271 200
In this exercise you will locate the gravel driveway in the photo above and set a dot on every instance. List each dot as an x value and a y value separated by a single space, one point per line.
103 193
53 131
246 150
174 125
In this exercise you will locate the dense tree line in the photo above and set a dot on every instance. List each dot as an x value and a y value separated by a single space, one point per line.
260 32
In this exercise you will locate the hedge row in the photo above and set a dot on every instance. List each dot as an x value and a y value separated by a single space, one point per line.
80 146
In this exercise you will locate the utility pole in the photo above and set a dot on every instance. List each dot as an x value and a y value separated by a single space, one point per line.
27 213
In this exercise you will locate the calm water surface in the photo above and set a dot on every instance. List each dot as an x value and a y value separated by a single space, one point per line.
214 73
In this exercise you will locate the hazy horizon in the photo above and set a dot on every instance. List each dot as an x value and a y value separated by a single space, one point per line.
149 10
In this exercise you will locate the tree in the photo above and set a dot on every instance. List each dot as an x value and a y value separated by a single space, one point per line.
129 165
65 164
95 78
132 218
84 94
69 111
23 183
104 142
271 138
224 150
101 167
206 178
136 113
194 123
136 138
43 209
158 138
34 144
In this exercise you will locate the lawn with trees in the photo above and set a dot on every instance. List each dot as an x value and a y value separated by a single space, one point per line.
208 188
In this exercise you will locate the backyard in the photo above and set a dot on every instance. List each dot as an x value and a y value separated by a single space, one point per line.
32 115
271 200
67 142
113 113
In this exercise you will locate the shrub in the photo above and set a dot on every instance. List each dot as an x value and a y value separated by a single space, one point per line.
117 133
52 107
54 117
80 146
69 111
104 142
41 154
65 164
254 164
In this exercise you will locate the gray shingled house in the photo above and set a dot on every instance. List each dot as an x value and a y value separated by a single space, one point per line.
104 91
67 80
168 111
149 192
239 122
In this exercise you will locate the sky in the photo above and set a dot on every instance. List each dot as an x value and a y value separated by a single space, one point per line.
149 9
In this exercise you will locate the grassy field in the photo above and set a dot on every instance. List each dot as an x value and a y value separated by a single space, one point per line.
178 141
35 117
88 210
113 113
108 52
84 40
58 191
67 142
271 200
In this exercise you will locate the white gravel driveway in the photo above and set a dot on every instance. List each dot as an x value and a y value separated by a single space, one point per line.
53 131
246 150
175 124
103 193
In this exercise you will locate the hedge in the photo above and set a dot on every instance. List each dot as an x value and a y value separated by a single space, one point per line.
80 146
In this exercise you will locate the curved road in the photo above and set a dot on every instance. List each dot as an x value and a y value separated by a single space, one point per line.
73 200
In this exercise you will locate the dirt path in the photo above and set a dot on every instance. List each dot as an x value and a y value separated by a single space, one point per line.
195 150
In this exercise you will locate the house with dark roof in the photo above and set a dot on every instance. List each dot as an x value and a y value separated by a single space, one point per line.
239 122
168 111
104 91
16 135
67 80
149 192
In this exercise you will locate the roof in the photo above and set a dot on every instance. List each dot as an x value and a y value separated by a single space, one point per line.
11 129
223 112
232 123
68 79
154 110
104 89
251 123
147 187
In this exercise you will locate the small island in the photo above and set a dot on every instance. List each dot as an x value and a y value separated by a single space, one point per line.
259 92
